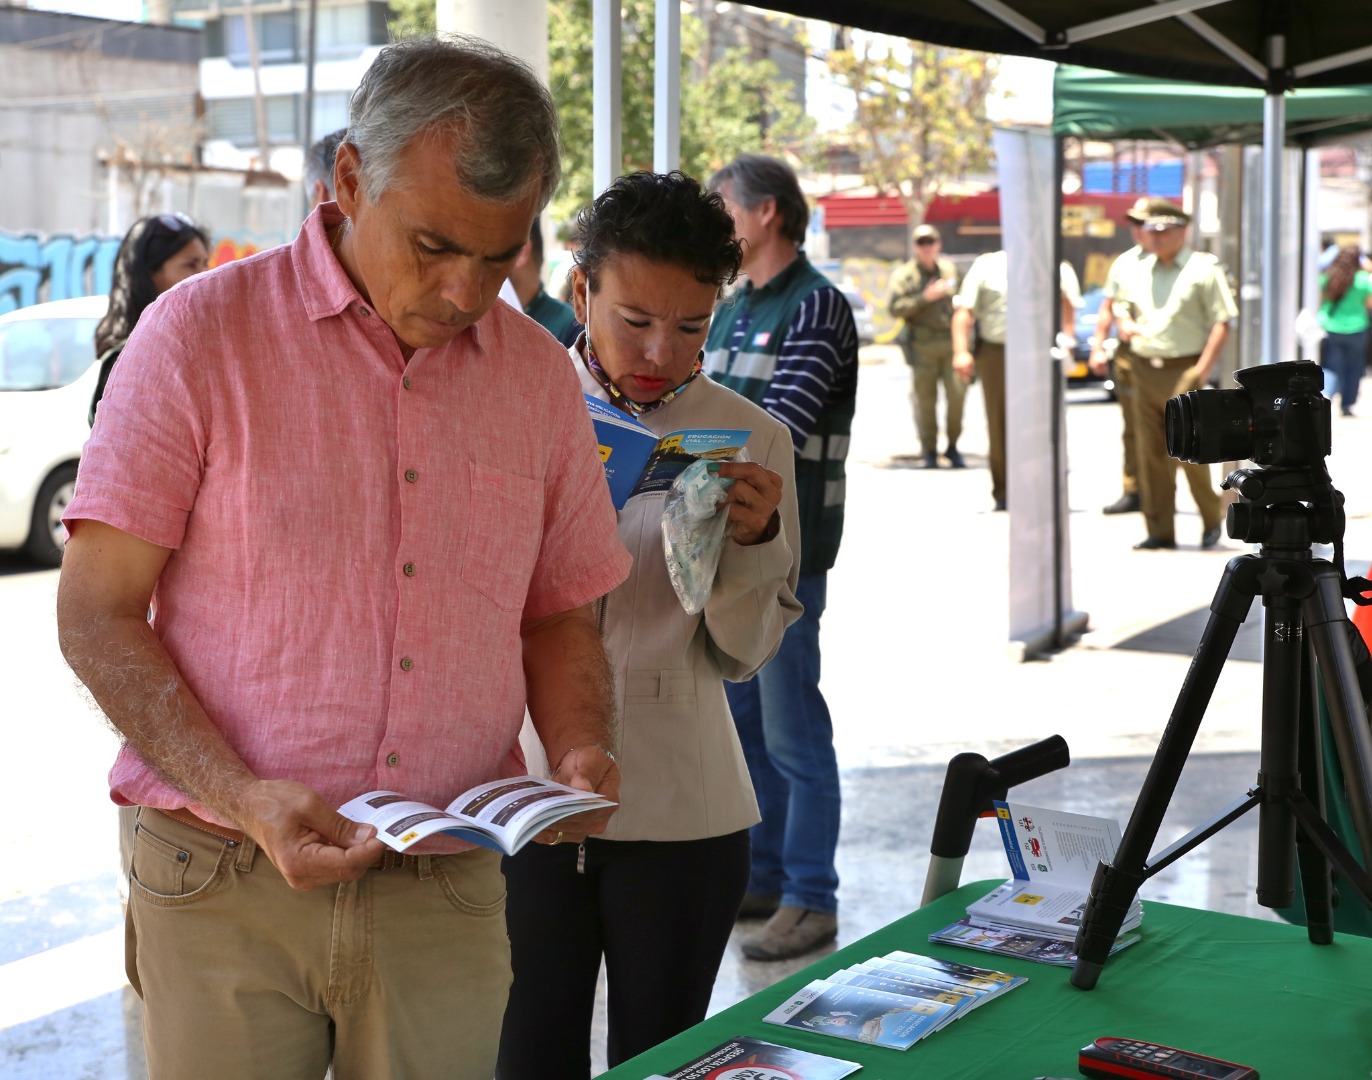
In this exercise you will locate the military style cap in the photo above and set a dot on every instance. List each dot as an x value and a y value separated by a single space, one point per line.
1164 215
926 231
1138 213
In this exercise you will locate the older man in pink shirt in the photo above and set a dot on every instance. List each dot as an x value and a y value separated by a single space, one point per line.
363 501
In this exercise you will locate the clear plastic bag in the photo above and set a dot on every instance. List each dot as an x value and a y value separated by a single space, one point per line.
694 532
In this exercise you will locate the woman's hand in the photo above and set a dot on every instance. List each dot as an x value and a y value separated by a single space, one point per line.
752 502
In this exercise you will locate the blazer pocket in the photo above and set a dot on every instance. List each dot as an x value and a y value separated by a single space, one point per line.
504 534
660 686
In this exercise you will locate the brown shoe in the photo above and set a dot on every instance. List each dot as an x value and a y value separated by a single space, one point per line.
792 931
759 905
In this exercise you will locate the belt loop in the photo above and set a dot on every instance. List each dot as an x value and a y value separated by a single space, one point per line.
426 867
246 850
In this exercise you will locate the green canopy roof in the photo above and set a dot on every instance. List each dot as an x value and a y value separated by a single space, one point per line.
1104 105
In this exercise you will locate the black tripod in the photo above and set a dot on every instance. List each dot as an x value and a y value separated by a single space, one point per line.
1306 635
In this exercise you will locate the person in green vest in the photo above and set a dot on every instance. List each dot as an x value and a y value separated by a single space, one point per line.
527 278
787 341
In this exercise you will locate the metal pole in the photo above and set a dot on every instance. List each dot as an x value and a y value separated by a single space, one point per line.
607 156
1273 137
311 21
667 87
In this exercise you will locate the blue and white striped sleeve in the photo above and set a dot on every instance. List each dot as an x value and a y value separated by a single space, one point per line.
817 364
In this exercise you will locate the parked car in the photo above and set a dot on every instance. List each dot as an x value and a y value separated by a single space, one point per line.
1078 370
863 314
47 376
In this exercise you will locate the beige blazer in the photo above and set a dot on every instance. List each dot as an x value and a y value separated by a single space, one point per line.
684 777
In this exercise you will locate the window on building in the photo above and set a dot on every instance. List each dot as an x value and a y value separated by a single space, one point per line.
276 38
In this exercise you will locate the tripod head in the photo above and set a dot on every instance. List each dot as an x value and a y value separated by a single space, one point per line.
1279 420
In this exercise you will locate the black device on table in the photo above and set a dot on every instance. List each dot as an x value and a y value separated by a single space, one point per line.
1131 1059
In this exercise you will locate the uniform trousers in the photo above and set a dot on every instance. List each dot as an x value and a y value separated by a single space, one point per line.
1154 384
1123 366
931 366
401 974
658 911
990 366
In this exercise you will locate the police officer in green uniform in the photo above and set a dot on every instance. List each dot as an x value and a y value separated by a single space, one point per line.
1123 359
922 296
1174 314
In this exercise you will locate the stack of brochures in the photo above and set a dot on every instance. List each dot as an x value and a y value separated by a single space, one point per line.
1035 915
893 1000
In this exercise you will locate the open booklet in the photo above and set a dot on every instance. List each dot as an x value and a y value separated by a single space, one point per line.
502 815
1053 857
637 461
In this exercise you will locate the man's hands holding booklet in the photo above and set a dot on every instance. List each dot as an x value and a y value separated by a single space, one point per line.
588 768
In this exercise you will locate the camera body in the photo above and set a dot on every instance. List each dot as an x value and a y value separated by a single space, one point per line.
1277 418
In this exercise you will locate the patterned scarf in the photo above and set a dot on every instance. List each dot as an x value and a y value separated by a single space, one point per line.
623 401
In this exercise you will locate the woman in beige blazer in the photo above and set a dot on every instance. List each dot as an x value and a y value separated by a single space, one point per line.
655 897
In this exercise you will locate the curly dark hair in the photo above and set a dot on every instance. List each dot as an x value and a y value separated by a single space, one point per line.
666 217
149 243
1344 269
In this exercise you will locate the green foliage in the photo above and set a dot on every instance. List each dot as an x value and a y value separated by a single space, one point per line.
733 105
411 18
921 117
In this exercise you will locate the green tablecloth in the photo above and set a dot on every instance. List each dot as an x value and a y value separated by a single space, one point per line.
1250 991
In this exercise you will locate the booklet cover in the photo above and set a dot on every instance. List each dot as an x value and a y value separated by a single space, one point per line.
859 1014
1007 941
636 461
744 1058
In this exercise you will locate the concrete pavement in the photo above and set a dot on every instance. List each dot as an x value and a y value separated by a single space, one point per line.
915 671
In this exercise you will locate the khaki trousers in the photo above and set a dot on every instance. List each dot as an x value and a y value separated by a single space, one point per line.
931 366
1124 394
990 366
403 974
1158 472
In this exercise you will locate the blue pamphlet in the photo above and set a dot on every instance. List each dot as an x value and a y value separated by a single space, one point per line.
637 461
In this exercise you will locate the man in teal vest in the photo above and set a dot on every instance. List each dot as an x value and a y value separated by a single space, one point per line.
787 341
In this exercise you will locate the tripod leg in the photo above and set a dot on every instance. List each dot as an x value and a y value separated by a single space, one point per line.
1117 882
1284 656
1316 886
1326 620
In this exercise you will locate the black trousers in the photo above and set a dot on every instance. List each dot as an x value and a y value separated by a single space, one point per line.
659 912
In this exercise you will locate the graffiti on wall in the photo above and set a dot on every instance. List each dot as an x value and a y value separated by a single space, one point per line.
35 269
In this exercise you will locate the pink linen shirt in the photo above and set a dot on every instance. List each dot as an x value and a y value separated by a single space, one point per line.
355 537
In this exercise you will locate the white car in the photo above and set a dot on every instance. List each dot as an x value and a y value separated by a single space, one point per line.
47 376
863 315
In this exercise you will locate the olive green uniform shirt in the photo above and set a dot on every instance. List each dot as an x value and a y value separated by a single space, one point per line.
984 288
1177 306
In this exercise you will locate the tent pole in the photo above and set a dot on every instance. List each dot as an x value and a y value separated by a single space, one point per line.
1273 139
1058 404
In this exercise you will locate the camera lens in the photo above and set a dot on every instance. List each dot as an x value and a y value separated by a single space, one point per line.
1210 425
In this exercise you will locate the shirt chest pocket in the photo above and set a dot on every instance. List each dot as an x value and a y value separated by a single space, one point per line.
504 533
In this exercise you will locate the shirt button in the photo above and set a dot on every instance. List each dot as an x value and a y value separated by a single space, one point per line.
411 475
406 663
405 382
409 569
392 759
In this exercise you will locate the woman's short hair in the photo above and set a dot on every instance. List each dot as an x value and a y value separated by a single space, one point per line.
502 115
754 177
148 244
665 217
